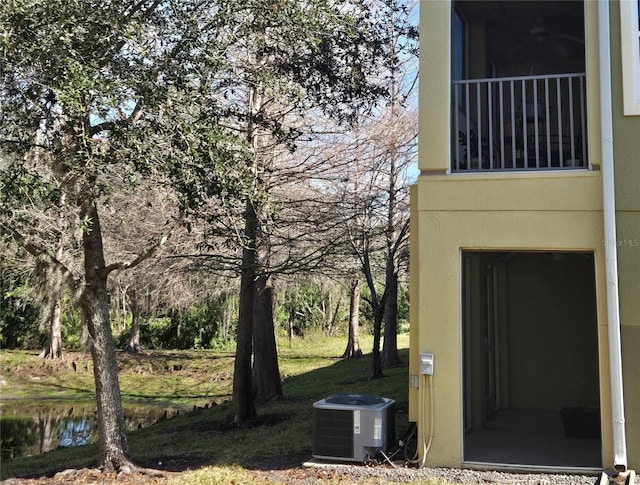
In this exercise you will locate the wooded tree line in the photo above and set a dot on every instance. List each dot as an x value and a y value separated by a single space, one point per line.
306 306
182 158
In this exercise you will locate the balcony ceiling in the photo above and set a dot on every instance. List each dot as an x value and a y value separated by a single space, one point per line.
540 30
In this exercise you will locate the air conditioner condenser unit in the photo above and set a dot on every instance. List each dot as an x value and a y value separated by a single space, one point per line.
352 427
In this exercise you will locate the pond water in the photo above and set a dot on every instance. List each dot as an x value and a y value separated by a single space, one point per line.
28 428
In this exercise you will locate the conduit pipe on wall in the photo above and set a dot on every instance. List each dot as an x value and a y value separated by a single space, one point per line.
610 247
423 441
427 444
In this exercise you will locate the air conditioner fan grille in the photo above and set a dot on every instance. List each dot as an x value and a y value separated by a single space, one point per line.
333 432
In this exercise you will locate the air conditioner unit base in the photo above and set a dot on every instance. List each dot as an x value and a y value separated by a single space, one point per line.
352 427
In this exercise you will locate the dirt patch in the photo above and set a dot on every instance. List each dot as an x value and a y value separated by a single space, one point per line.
92 476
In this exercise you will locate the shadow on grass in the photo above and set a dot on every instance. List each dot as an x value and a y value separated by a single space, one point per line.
161 357
279 438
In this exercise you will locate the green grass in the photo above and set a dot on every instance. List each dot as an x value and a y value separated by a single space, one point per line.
310 370
179 378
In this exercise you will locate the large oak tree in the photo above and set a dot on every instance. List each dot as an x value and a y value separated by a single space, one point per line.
96 96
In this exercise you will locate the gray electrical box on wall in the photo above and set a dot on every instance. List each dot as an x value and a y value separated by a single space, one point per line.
352 427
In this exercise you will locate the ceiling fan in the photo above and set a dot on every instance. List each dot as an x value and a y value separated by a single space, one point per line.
561 44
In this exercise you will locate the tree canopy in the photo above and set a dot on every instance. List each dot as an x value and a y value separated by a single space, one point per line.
197 100
102 98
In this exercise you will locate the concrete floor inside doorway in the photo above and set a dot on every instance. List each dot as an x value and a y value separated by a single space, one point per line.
536 438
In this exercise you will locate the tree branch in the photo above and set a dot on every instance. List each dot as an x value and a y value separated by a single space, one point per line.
146 254
37 251
401 238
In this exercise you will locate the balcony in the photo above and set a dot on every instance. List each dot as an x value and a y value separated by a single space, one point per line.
519 123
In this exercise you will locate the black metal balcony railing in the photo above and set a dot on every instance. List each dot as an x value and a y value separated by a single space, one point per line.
519 123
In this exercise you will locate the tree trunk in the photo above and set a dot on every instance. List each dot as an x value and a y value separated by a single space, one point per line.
390 356
291 323
333 317
225 316
133 346
94 303
53 349
378 313
377 308
242 402
353 349
266 373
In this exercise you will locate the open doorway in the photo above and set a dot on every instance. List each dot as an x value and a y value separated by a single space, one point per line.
530 341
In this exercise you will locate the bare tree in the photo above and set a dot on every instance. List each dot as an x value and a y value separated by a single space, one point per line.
133 345
319 58
376 212
401 128
168 280
353 349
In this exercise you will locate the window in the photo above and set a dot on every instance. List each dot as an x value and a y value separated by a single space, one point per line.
630 32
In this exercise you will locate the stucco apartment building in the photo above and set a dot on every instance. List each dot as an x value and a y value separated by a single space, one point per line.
525 236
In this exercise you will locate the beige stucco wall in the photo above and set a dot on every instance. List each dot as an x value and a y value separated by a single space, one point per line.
553 211
525 211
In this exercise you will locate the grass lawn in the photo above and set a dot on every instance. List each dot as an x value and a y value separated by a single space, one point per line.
199 440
